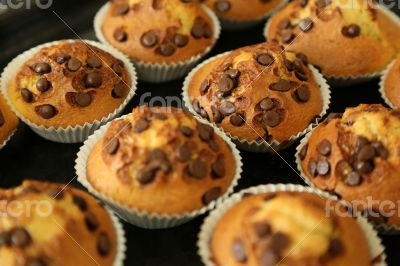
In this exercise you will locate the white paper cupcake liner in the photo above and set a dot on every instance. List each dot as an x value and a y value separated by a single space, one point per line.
374 242
142 218
233 25
121 239
382 85
347 81
3 144
153 72
382 228
262 146
70 134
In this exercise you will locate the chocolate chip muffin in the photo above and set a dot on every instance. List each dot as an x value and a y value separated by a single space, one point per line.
242 10
343 38
8 121
389 87
41 224
287 228
257 93
69 83
356 157
162 161
158 31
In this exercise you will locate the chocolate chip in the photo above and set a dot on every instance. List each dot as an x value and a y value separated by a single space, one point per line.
302 94
269 258
122 9
112 146
35 262
74 64
233 73
303 58
207 31
280 241
46 111
267 104
146 175
213 145
364 167
91 221
218 169
312 168
271 119
335 247
361 142
204 114
94 62
351 31
303 152
119 90
20 238
27 96
284 24
287 37
201 29
323 3
4 239
323 167
141 125
183 153
187 131
222 6
324 147
217 115
156 154
181 40
226 108
197 169
80 202
43 85
265 59
196 106
367 152
282 85
93 80
62 58
303 3
118 68
120 35
237 119
353 179
226 84
239 251
381 150
42 68
103 244
166 49
205 85
306 24
211 195
2 121
149 39
206 132
262 229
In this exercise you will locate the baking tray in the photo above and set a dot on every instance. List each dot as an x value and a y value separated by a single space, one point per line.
29 156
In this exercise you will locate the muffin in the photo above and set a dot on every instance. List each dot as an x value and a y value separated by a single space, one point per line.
258 93
343 38
41 224
8 122
237 14
356 157
287 228
390 90
160 161
69 84
157 35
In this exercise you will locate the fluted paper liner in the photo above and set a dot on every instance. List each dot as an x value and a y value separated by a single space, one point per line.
121 239
263 146
234 24
348 80
7 139
374 242
382 85
382 228
142 218
71 134
160 72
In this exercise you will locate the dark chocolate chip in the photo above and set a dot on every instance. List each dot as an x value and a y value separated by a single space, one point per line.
181 40
62 58
74 64
146 175
183 153
226 84
122 9
166 49
361 142
302 94
27 96
267 104
218 169
233 73
239 251
364 167
118 68
197 169
323 167
312 168
94 62
211 195
80 202
4 239
196 106
282 85
42 68
284 24
82 99
43 85
119 90
156 154
217 115
120 35
269 258
187 131
222 6
141 125
213 145
303 58
206 132
227 108
149 39
262 229
103 244
93 80
280 241
353 179
367 152
91 221
351 31
271 119
198 29
303 3
205 85
287 36
112 146
204 114
265 59
237 119
335 247
324 147
381 150
20 238
46 111
303 152
306 24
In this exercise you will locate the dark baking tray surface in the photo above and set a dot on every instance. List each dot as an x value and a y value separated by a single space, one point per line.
29 156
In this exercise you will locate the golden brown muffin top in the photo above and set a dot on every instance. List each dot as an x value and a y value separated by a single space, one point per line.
8 120
357 157
257 92
242 10
41 224
161 160
158 31
69 84
287 228
343 38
